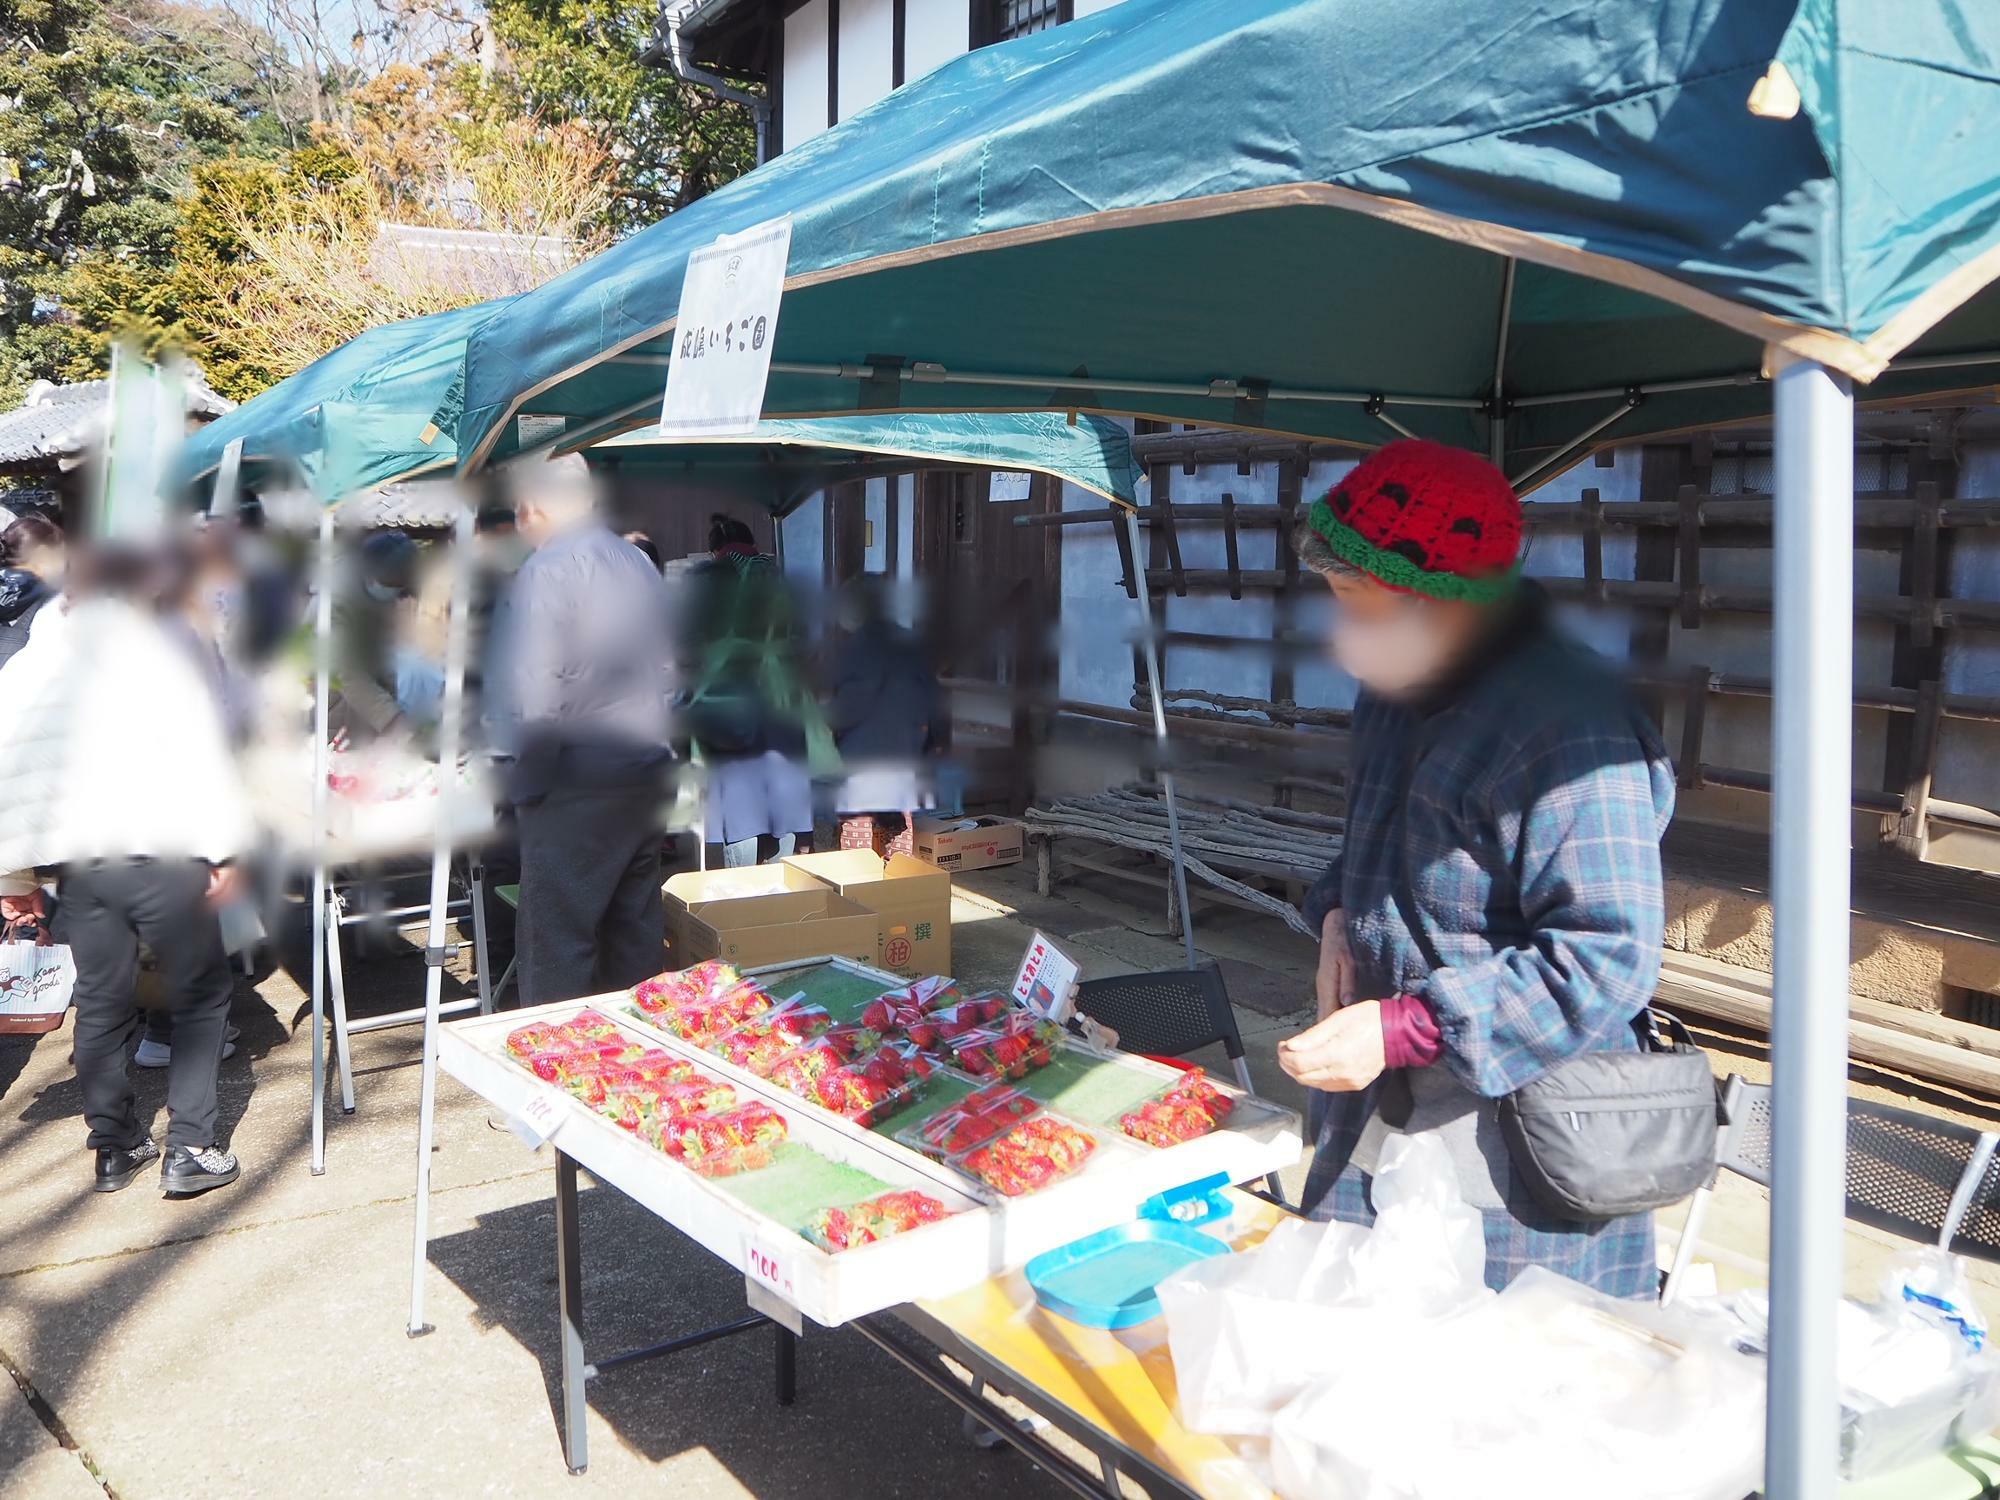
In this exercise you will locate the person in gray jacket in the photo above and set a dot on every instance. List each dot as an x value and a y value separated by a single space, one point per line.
579 693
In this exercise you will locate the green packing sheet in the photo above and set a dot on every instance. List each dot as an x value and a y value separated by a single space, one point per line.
1091 1090
841 994
799 1183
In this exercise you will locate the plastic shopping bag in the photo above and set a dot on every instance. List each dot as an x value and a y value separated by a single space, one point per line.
1550 1391
36 982
1249 1332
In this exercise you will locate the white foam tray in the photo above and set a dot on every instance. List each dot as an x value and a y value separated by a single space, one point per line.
989 1236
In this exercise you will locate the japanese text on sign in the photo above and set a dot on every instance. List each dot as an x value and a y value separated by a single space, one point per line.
728 321
1046 980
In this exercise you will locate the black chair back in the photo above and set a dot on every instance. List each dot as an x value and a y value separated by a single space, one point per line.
1168 1014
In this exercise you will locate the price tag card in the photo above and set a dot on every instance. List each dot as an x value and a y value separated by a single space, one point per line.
1046 980
728 321
768 1281
539 1119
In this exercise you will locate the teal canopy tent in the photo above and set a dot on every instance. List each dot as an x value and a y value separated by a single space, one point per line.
783 462
355 418
1523 226
1342 220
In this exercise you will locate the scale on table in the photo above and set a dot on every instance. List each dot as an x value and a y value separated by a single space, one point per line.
1109 1279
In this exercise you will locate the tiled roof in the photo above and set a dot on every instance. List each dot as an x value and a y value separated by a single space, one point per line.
57 421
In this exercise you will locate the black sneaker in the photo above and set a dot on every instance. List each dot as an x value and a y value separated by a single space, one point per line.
190 1170
116 1167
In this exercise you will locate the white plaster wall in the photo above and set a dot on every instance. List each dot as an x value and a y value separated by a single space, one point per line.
805 74
805 543
934 32
875 512
1091 7
1968 765
867 55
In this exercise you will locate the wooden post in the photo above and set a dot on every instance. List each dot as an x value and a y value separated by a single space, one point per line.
1913 831
1162 514
1593 546
1229 546
1694 724
1689 500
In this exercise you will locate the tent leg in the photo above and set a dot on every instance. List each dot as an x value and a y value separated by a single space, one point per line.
476 875
343 1057
322 675
434 944
1812 710
1179 900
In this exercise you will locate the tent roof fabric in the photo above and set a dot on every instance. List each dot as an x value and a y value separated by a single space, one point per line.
783 462
386 381
1293 215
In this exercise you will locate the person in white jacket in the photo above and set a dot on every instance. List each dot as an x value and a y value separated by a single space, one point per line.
115 771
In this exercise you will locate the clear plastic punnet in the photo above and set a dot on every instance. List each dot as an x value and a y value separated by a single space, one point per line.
1185 1110
934 1030
872 1219
1037 1153
762 1041
1011 1047
865 1088
721 1145
971 1122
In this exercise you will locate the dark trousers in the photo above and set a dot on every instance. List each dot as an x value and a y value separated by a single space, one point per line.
591 915
108 907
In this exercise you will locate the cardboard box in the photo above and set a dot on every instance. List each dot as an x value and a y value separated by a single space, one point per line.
989 842
765 914
911 897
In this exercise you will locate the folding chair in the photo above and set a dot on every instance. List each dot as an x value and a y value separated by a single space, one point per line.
511 894
1170 1014
1932 1180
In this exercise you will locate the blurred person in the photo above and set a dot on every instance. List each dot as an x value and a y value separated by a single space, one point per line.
645 545
1496 908
750 714
33 560
883 714
579 693
367 622
115 770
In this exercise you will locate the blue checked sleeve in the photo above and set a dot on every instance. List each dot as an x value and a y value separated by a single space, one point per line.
1578 817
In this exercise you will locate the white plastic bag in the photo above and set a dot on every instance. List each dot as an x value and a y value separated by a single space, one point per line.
36 983
1551 1391
1249 1332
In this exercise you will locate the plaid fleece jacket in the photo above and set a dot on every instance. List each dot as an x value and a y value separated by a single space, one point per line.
1502 863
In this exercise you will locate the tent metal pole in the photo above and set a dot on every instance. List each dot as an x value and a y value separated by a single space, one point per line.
1151 639
322 683
436 954
1525 478
1812 709
1497 419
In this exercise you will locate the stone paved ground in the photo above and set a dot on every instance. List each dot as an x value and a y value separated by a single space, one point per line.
251 1343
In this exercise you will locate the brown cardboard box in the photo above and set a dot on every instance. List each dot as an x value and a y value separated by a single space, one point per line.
765 914
912 898
990 842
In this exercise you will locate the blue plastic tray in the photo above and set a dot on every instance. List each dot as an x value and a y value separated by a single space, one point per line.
1107 1280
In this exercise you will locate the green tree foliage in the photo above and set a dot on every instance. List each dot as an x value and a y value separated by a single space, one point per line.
579 60
107 110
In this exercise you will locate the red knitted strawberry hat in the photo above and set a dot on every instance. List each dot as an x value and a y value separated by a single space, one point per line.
1426 519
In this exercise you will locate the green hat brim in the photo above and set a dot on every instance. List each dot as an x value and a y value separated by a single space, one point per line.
1398 571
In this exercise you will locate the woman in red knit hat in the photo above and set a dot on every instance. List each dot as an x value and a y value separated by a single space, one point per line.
1496 908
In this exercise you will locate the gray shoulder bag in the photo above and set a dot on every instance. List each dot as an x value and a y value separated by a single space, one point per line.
1613 1133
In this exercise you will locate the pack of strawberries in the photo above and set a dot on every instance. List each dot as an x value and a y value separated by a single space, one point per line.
701 1003
1187 1110
660 1098
1011 1046
762 1041
973 1121
1038 1152
872 1219
865 1086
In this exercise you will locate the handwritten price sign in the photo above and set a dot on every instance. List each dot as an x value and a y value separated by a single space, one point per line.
538 1119
1046 980
721 360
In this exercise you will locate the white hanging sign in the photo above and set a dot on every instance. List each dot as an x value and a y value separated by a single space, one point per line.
539 1118
721 360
